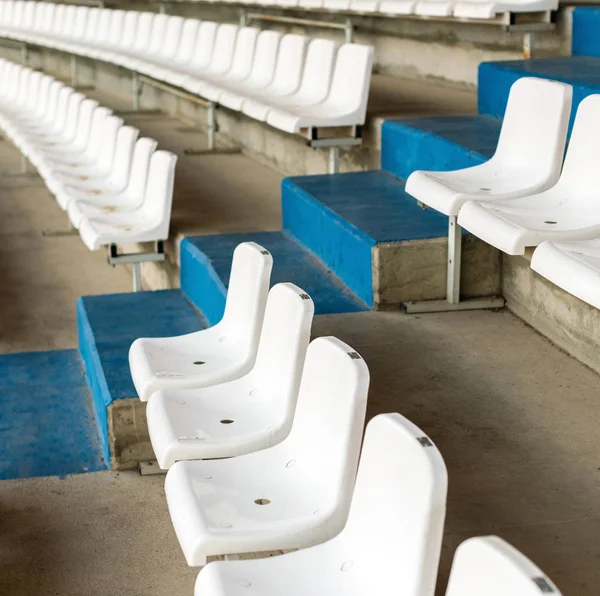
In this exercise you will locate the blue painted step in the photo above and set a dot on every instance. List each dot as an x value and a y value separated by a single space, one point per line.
586 31
109 324
206 264
441 143
47 425
496 78
340 218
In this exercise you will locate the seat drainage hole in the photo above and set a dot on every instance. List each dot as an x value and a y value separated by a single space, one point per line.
198 362
262 501
485 189
226 421
244 583
550 222
346 566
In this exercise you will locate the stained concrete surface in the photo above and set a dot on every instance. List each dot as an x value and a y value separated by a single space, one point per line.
515 418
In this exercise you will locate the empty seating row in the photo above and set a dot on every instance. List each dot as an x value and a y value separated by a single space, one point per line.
287 416
288 81
526 195
117 188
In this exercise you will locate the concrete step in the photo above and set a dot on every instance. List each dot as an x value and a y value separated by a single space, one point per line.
496 78
107 327
206 263
47 424
586 24
377 240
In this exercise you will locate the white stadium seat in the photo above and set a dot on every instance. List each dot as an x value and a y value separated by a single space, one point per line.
249 413
220 353
489 566
123 189
572 266
292 495
86 203
528 157
390 544
569 210
241 65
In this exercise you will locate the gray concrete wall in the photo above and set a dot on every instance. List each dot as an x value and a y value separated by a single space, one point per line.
570 323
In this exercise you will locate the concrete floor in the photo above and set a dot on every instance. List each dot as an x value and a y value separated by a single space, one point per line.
515 418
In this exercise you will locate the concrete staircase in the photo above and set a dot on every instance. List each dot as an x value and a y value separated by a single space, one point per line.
354 241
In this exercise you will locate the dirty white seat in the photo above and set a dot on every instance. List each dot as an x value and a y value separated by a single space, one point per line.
397 7
90 202
249 413
572 266
346 102
292 495
486 9
220 353
149 222
489 566
528 156
434 8
570 210
112 180
390 544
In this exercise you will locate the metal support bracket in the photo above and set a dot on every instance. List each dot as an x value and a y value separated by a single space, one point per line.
135 259
453 301
334 144
150 468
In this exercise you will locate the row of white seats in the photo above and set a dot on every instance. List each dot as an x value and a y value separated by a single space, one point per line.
288 81
115 187
288 418
461 9
525 195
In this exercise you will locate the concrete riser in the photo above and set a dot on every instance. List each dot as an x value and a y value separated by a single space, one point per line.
416 270
570 323
128 436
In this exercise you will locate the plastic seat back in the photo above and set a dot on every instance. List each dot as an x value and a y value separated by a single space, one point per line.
352 80
87 111
115 33
92 24
172 36
224 47
247 293
72 115
318 69
282 345
129 30
205 43
265 57
534 129
7 11
143 31
28 16
58 19
123 156
159 192
489 566
396 522
187 41
103 27
243 55
105 151
328 424
290 62
140 164
40 15
580 172
157 34
80 22
17 14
